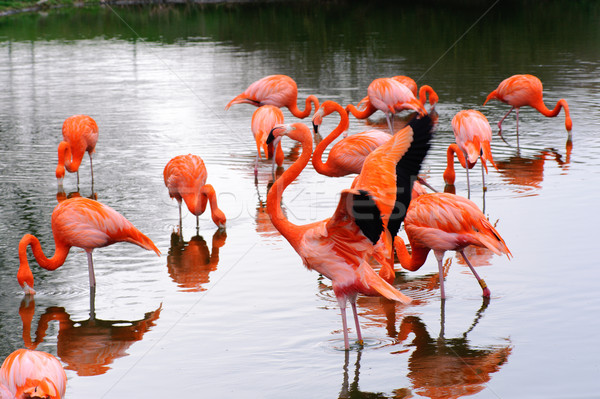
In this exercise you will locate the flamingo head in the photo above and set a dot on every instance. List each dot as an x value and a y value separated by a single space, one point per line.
219 218
25 279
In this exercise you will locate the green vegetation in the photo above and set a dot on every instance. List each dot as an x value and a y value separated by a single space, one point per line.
8 6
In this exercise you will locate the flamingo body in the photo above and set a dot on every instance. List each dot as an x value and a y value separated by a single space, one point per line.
84 223
277 90
33 374
185 177
446 222
527 90
80 135
348 155
263 120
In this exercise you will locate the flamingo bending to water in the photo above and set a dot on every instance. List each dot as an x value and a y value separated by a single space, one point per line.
473 134
84 223
446 222
33 374
337 247
80 134
521 90
277 90
412 86
348 155
185 177
263 120
390 96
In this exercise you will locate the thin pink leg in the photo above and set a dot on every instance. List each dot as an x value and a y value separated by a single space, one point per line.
440 258
342 302
91 270
484 287
358 332
517 127
502 120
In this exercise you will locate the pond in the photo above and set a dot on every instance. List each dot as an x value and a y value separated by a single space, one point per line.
235 313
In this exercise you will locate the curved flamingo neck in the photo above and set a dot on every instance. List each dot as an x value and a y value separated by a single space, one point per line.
64 159
367 111
325 168
216 213
24 274
293 107
288 229
433 97
562 103
449 174
410 261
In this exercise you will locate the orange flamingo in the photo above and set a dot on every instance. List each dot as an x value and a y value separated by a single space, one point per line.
412 86
185 177
521 90
277 90
446 222
348 155
84 223
390 96
33 374
338 247
263 120
80 134
473 135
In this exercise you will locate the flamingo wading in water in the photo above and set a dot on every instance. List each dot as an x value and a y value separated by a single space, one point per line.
277 90
185 177
80 134
348 155
338 247
33 374
446 222
83 223
521 90
473 134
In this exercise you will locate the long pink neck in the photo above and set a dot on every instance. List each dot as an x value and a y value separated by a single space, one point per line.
449 174
307 107
67 158
364 114
410 261
423 91
24 274
289 230
215 212
325 168
562 103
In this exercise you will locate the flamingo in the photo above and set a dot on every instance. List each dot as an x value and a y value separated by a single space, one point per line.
263 120
277 90
80 134
185 177
446 222
337 247
412 86
521 90
33 374
79 222
348 155
473 135
389 96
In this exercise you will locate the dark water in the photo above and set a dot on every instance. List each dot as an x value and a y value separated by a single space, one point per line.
236 314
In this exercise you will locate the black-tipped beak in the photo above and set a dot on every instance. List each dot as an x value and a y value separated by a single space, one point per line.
316 128
271 137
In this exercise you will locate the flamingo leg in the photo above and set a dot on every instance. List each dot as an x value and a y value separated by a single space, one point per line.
440 258
389 121
91 270
77 180
484 187
356 323
197 224
342 302
256 166
484 287
468 183
517 111
92 170
179 202
502 120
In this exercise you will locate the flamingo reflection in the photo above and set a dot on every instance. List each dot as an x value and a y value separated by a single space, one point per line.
190 263
528 172
449 367
87 347
61 195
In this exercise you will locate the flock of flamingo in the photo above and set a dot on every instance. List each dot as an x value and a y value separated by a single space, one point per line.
364 227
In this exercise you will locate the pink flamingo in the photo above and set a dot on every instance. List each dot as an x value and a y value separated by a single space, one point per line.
412 86
277 90
80 134
473 134
348 155
521 90
389 96
83 223
185 177
263 120
33 374
446 222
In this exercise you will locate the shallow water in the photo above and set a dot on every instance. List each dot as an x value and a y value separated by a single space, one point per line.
236 313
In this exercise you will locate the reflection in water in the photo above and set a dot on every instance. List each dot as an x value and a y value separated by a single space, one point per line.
528 172
190 263
351 390
88 346
61 195
449 368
